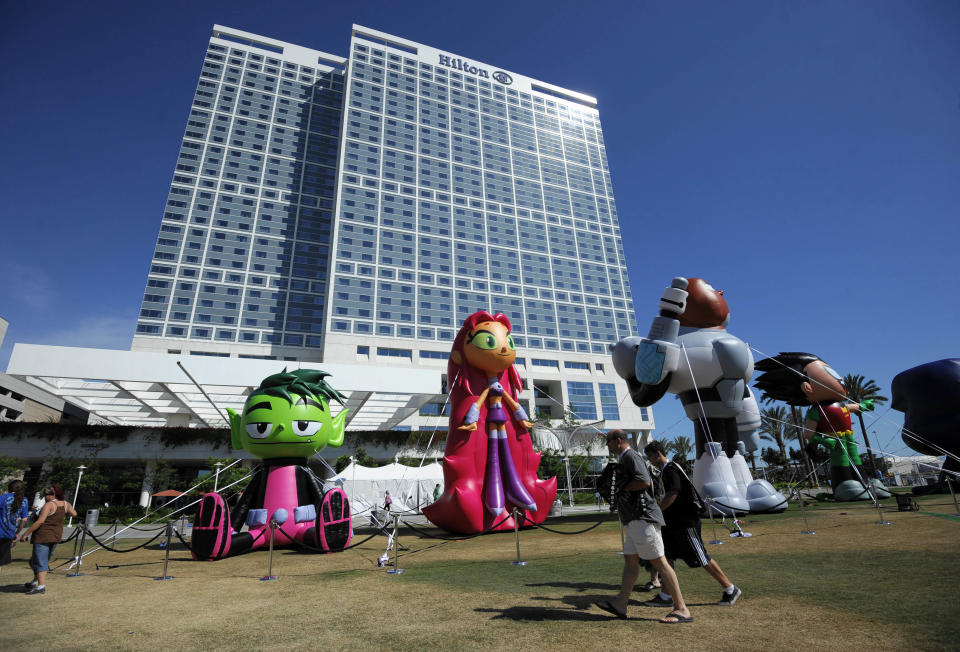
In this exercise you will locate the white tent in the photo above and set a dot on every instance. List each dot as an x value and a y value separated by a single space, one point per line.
410 487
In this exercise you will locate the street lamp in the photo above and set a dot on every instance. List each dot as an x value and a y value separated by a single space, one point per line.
76 492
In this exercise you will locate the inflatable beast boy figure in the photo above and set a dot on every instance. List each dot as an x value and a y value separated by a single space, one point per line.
284 422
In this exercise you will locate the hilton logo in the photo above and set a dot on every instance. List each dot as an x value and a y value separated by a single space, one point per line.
466 66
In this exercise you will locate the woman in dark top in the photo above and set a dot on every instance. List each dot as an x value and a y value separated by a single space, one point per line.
47 532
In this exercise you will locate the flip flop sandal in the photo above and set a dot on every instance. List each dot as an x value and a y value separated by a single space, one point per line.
607 606
679 618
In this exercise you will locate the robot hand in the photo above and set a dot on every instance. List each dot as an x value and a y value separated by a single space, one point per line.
673 301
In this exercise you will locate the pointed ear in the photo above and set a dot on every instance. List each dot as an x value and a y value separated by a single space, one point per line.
236 429
337 427
455 357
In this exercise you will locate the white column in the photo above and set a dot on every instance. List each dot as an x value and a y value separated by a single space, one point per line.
147 487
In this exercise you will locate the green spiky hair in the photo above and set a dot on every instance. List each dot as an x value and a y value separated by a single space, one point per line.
299 381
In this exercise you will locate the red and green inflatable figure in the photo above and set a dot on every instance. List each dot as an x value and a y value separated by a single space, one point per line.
489 465
284 422
801 379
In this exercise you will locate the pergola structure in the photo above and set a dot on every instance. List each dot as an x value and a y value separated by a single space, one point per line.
157 389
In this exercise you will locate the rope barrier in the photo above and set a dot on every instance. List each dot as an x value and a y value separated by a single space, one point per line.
544 527
107 547
307 546
460 538
73 536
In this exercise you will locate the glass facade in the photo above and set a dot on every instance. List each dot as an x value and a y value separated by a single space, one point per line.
460 193
389 195
582 402
242 255
356 209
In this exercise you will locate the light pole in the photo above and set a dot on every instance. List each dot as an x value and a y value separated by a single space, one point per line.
76 492
216 475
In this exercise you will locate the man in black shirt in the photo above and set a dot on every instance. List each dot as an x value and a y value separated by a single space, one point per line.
681 534
642 521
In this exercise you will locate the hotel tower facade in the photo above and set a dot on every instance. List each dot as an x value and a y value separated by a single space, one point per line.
356 209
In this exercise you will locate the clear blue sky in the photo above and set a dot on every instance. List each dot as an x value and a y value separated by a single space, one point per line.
802 156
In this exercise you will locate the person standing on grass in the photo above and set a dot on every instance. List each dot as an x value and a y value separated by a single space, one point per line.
47 532
642 520
681 534
13 517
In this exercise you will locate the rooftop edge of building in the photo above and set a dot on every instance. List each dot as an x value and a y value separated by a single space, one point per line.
551 90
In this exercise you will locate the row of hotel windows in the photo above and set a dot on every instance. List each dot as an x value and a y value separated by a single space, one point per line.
364 351
582 403
440 73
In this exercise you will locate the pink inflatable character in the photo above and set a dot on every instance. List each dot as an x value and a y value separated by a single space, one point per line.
489 465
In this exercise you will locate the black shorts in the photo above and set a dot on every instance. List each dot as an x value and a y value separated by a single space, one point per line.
685 543
5 545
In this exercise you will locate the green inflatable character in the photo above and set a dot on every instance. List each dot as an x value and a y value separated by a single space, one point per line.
284 422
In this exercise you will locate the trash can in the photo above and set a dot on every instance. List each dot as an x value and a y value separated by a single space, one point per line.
93 515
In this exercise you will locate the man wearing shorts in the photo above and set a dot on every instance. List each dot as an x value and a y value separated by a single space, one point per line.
642 520
681 534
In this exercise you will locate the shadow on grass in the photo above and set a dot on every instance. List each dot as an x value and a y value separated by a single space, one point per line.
13 588
543 614
579 586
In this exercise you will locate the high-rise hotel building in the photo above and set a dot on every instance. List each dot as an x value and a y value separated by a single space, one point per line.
356 209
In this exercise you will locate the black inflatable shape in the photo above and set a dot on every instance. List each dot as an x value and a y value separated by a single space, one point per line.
929 397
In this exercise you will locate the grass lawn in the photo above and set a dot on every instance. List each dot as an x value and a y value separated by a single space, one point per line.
853 584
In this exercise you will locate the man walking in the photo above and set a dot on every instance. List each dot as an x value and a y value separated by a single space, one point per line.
642 520
681 534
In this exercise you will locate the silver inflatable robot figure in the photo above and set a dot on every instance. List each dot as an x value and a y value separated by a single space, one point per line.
688 352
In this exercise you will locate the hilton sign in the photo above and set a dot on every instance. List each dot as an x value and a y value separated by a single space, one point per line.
466 66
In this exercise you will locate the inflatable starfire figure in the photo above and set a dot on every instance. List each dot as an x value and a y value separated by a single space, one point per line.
688 352
489 465
804 379
284 422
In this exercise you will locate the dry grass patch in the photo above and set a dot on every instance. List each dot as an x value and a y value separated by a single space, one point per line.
853 584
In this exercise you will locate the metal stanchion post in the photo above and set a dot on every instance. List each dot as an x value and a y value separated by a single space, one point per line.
166 553
396 570
270 576
876 502
516 533
715 541
116 521
803 513
78 558
738 531
952 493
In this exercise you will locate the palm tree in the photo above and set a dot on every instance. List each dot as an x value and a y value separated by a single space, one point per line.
774 427
681 447
860 389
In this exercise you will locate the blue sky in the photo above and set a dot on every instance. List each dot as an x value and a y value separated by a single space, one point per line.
802 156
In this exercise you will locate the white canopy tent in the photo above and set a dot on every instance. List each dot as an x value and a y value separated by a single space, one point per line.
410 487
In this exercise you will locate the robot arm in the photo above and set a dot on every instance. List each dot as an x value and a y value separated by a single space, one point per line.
647 363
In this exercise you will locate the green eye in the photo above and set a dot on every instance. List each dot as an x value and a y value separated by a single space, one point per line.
510 343
484 340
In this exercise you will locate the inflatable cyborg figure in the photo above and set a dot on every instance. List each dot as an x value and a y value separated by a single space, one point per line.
284 422
688 352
